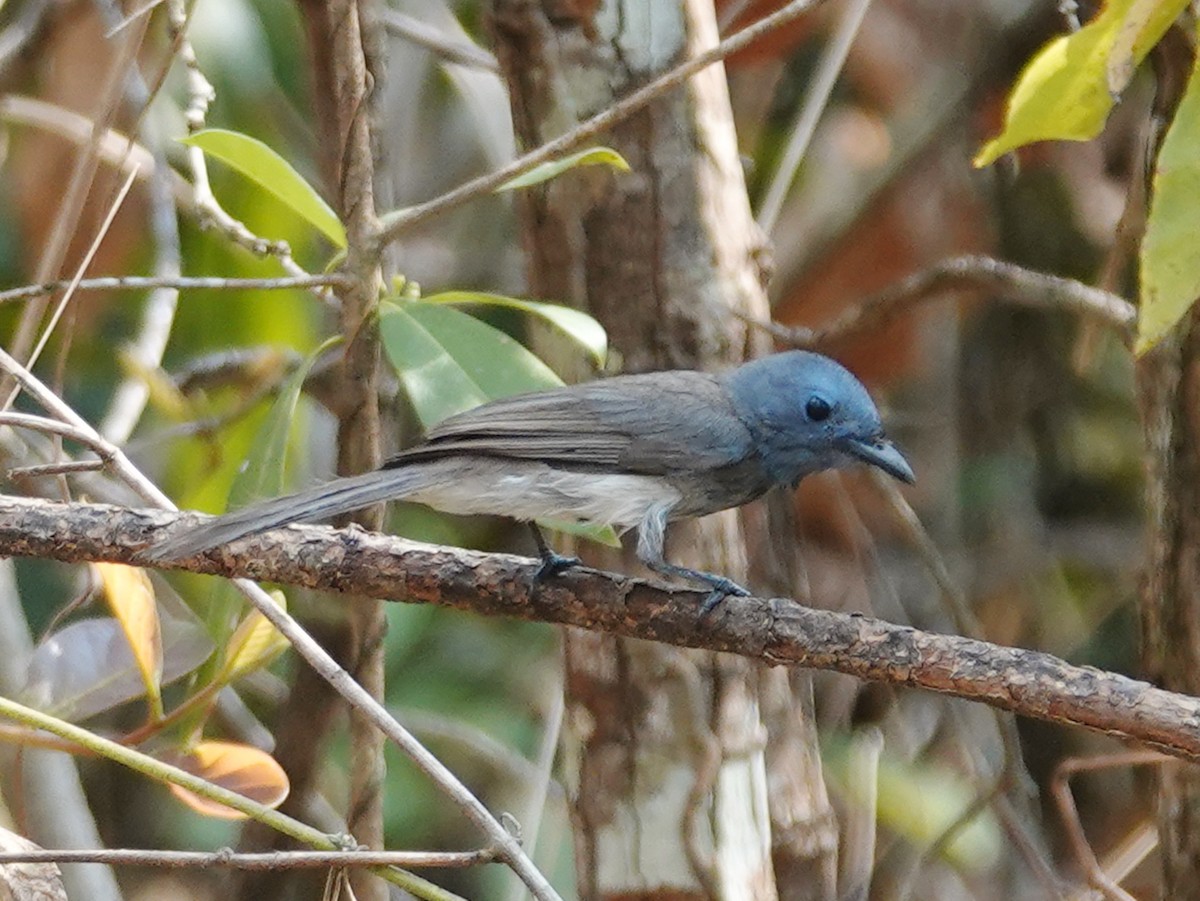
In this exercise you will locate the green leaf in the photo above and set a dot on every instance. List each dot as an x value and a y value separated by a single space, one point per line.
1066 91
449 362
269 170
575 324
1170 255
592 156
264 473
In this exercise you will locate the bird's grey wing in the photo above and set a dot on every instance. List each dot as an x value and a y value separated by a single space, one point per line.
652 424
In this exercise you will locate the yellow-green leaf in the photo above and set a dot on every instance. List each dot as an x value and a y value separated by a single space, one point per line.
273 173
1122 58
254 644
1065 92
1170 254
131 599
592 156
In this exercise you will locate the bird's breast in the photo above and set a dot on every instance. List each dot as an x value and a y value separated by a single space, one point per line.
529 490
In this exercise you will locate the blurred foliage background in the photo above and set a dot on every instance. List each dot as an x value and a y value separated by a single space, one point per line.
1021 424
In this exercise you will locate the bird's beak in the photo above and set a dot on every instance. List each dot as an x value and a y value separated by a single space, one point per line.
882 453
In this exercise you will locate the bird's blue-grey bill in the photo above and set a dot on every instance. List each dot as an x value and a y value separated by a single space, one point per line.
882 453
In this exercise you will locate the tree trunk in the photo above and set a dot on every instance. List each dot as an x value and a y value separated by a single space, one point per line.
666 750
1169 383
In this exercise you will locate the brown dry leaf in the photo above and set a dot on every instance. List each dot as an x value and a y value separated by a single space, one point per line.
28 881
248 771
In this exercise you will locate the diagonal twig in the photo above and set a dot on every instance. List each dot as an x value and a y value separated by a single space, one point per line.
400 221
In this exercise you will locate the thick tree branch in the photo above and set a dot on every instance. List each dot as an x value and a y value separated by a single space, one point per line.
778 630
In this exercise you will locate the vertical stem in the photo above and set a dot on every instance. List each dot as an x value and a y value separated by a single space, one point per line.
359 445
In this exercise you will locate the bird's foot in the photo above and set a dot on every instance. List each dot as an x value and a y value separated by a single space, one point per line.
721 589
552 565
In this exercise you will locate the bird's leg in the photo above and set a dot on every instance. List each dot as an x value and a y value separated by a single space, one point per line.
552 563
651 536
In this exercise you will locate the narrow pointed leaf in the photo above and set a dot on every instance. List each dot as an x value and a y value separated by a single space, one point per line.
273 173
575 324
131 598
592 156
265 471
254 644
1170 254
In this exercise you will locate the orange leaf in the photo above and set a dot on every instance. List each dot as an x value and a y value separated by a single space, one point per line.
252 773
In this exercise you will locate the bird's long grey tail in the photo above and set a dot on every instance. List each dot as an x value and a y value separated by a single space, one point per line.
321 502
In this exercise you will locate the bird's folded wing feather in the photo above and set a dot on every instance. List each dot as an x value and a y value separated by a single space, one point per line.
659 423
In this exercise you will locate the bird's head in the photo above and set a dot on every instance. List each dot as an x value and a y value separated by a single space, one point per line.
808 413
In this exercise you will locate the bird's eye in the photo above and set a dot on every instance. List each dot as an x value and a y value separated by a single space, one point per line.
817 409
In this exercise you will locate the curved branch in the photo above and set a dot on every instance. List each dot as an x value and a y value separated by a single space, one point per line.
777 630
1025 287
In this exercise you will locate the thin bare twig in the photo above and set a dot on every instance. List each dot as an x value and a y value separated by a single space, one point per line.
447 48
275 860
398 222
306 646
819 91
977 273
1127 855
179 282
55 469
1012 770
1064 800
58 428
53 404
117 150
149 343
74 195
114 207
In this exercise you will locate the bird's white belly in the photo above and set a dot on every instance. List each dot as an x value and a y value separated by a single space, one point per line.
528 491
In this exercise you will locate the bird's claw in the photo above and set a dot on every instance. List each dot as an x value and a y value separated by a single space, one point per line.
552 565
721 589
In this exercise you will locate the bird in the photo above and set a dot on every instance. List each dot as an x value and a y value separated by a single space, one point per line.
638 450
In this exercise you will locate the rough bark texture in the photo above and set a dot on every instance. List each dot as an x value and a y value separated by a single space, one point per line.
1169 395
359 442
1170 391
666 749
775 631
